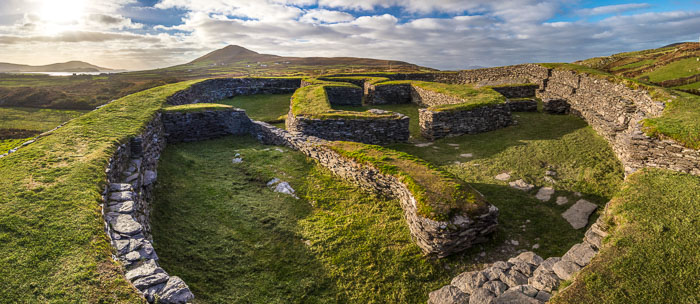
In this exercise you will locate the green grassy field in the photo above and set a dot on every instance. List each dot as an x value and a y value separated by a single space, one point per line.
8 144
34 119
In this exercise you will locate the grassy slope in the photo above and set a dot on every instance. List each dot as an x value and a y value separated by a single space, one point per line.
677 69
653 252
34 119
8 144
583 162
268 108
51 231
197 107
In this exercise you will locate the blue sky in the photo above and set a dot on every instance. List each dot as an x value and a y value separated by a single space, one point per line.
445 34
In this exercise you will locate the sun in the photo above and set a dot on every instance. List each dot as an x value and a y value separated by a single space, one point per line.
59 16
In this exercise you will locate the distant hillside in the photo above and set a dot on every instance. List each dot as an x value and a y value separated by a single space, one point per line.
675 66
70 66
237 60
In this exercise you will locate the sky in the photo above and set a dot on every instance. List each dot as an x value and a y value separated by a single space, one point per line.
442 34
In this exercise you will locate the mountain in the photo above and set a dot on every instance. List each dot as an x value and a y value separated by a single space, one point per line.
235 59
70 66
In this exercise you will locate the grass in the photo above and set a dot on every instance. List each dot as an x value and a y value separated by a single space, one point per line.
370 79
262 107
680 121
674 70
34 119
653 250
582 160
197 107
51 229
232 239
438 194
9 144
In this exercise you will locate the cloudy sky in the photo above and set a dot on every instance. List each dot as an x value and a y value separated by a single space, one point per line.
444 34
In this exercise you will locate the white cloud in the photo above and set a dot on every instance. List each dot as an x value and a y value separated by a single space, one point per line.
612 9
325 16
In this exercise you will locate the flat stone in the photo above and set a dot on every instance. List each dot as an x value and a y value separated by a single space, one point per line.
544 280
148 281
561 200
545 194
522 267
125 224
550 173
151 292
453 145
503 177
448 294
122 196
120 187
132 178
482 296
123 207
513 278
593 238
496 287
132 256
543 296
466 155
530 258
502 265
175 291
513 296
548 263
149 177
581 254
467 282
577 215
423 145
521 185
237 160
526 289
565 269
145 268
122 246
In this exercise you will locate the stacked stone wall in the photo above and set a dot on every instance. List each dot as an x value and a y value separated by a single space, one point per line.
195 126
439 124
222 88
517 91
344 96
388 94
433 237
365 130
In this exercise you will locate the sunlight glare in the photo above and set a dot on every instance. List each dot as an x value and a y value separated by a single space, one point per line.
61 15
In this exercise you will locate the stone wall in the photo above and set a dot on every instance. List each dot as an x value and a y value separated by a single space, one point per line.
439 124
522 105
433 237
526 278
222 88
612 109
195 126
388 94
344 96
517 91
365 130
131 173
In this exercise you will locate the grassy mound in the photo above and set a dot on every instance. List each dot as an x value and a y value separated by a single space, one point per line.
438 194
270 108
197 107
653 250
51 229
370 79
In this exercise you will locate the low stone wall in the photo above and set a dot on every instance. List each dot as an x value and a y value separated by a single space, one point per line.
433 237
517 91
439 124
217 89
131 173
526 278
428 98
365 130
388 94
344 96
523 105
195 126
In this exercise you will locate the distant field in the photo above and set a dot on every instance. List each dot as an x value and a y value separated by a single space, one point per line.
35 119
677 69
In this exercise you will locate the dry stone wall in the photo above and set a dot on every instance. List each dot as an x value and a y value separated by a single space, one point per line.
195 126
433 237
344 96
517 91
438 124
388 94
222 88
365 130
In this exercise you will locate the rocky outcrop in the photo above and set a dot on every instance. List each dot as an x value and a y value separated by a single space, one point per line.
195 126
439 238
526 278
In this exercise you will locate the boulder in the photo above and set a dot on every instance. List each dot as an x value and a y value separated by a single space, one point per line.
448 294
565 269
175 291
521 185
482 296
545 194
581 254
467 282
